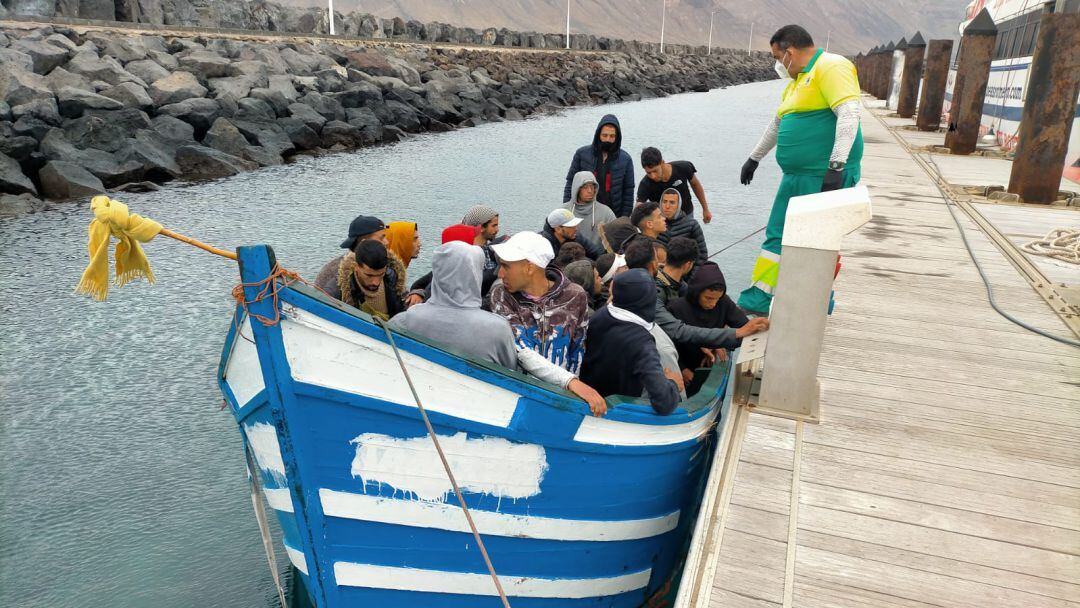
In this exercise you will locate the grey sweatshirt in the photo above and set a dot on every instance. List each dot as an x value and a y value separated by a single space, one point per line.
592 214
452 316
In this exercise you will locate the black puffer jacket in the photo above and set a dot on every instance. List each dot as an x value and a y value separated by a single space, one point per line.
616 177
684 225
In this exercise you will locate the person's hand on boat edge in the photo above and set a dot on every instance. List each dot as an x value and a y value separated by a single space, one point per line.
752 327
675 377
596 403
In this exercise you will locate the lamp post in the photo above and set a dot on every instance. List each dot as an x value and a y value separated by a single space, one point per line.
331 3
828 38
663 19
711 15
750 42
567 24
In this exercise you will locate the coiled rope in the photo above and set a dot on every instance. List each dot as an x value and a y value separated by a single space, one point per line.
1060 244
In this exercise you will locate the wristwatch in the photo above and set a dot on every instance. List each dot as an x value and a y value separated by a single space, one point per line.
836 165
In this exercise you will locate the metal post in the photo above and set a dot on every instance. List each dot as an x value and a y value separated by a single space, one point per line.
969 90
1049 109
663 18
813 230
711 16
909 82
750 42
938 57
331 3
568 24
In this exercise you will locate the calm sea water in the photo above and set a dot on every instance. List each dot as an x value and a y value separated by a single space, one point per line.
122 482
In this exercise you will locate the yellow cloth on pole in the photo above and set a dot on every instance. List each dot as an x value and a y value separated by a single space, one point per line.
111 218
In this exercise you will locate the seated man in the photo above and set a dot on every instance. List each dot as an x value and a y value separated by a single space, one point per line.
562 227
680 224
681 256
569 253
648 219
584 206
583 272
706 304
621 356
548 313
453 316
365 228
470 235
360 278
616 234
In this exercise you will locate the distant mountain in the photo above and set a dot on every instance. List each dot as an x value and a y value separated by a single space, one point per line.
850 25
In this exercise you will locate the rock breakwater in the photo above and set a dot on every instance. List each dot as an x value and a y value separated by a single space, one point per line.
88 112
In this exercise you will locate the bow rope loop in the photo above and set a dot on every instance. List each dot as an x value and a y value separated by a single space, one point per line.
111 218
269 287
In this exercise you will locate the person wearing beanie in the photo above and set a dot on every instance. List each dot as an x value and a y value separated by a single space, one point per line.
470 234
610 165
621 356
584 206
486 218
548 313
461 232
453 317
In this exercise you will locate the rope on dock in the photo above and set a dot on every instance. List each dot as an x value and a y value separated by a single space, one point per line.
1060 244
446 464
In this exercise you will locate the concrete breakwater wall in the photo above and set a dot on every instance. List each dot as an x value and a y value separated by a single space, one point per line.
85 113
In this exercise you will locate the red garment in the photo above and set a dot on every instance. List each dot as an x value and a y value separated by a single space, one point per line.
460 232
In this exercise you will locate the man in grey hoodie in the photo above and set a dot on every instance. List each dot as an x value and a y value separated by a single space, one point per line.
583 204
452 316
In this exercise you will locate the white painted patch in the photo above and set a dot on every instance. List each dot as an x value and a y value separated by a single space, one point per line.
297 558
613 432
243 373
279 499
263 440
437 581
485 465
448 516
328 355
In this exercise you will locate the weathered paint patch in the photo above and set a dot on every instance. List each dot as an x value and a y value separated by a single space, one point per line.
263 439
484 465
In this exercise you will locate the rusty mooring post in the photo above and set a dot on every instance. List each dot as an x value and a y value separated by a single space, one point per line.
909 82
938 57
1049 110
875 69
885 75
972 74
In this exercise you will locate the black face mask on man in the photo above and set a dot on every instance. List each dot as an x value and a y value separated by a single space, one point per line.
607 146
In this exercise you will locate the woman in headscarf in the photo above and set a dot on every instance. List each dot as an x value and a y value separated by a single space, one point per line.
404 240
706 304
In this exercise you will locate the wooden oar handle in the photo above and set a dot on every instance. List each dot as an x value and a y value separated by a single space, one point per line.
190 241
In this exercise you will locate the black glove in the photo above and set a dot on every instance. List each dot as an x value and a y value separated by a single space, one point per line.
747 173
834 180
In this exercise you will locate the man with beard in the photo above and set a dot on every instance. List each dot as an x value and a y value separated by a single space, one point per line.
610 165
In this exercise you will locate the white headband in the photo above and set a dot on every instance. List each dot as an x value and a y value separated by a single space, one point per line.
620 262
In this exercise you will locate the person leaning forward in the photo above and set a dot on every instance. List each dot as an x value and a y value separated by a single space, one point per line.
818 141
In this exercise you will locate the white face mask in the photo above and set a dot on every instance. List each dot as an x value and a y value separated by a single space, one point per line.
781 70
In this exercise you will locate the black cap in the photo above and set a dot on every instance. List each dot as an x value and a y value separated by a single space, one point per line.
363 225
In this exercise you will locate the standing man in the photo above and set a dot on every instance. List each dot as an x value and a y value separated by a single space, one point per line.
818 142
678 174
610 164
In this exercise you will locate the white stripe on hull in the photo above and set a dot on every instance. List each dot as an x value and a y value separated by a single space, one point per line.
243 373
263 439
437 581
443 516
279 499
613 432
328 355
297 558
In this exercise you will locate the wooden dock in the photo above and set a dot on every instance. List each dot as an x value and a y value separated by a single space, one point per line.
946 467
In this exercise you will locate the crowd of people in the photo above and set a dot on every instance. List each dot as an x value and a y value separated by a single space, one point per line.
615 293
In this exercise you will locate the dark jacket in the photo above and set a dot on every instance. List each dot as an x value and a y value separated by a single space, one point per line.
688 310
553 325
685 334
593 250
684 225
620 355
338 272
616 176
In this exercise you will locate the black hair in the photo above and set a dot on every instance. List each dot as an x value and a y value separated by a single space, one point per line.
650 157
604 263
371 253
681 250
569 252
640 253
642 212
791 36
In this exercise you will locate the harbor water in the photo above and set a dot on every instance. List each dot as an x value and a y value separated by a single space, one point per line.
122 482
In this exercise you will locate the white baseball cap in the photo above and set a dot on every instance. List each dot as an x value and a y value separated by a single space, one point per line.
525 246
562 217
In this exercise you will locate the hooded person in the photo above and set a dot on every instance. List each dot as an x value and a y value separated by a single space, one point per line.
621 356
615 235
611 166
583 204
404 240
452 316
680 224
706 304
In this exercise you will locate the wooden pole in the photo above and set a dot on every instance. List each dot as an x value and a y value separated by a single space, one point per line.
201 245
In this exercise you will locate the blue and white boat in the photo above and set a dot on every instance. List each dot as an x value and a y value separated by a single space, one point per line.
574 510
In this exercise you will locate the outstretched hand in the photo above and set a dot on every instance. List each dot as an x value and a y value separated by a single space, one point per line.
597 405
747 174
752 327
